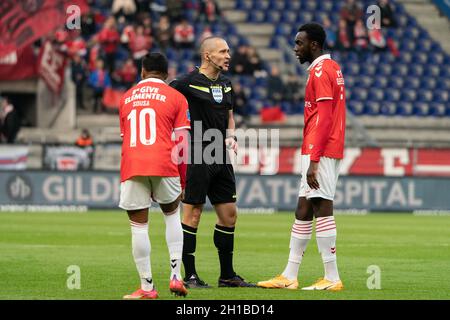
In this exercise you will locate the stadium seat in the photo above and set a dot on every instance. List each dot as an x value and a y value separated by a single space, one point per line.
431 71
405 108
424 95
438 109
396 82
359 94
292 5
412 83
272 17
408 95
388 108
428 82
288 17
415 70
384 70
421 109
373 108
256 16
356 107
392 95
440 96
276 5
376 94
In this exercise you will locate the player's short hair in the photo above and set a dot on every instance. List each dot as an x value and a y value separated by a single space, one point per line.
315 32
155 62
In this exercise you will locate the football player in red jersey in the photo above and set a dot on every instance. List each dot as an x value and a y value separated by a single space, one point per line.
322 151
150 113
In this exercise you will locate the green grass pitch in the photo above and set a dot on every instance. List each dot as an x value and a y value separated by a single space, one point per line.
36 249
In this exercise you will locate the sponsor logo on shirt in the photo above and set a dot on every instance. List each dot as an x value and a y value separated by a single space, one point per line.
340 78
307 104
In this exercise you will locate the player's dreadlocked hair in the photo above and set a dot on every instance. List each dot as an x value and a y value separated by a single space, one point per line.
315 32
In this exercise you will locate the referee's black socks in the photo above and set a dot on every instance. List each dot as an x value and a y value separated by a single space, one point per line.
189 244
224 242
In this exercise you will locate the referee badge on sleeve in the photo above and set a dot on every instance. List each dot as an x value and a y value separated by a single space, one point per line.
217 93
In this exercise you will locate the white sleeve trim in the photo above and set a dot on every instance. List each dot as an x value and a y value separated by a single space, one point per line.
180 128
324 98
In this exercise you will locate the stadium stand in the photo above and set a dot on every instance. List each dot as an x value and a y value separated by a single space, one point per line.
399 97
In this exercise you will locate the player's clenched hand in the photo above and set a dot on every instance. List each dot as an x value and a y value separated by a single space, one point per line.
231 143
311 175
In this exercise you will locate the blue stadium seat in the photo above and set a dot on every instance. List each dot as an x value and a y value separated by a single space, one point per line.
352 69
373 108
438 109
272 16
366 81
425 95
376 94
428 83
288 17
405 108
308 5
380 82
396 82
424 45
411 33
419 58
435 58
407 45
415 70
282 29
359 94
256 16
443 84
384 69
304 17
392 95
349 81
388 108
276 5
421 109
368 70
408 95
400 70
243 5
412 83
431 71
292 5
260 5
356 107
441 96
325 6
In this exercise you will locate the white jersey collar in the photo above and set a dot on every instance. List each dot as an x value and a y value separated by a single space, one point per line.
151 80
318 59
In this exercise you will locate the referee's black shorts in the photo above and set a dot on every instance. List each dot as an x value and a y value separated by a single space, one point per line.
216 181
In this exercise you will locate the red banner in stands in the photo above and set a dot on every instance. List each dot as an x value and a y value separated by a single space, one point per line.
18 65
51 67
357 161
23 22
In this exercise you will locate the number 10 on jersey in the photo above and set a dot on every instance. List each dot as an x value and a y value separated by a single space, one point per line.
147 119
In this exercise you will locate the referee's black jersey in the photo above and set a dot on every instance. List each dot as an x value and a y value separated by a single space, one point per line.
209 101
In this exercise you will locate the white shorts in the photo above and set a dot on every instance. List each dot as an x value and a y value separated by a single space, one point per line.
137 192
327 177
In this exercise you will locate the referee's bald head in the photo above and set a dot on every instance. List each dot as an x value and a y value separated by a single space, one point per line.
211 44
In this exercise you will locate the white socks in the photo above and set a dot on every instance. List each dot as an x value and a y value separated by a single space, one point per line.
140 243
174 239
300 236
326 242
141 247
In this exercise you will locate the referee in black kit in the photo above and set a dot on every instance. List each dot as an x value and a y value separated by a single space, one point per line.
210 98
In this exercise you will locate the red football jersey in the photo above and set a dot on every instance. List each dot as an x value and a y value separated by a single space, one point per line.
149 113
325 82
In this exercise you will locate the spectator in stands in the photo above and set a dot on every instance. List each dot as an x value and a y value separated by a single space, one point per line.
377 39
94 55
128 74
360 36
330 32
351 12
99 80
76 45
275 86
184 35
88 25
85 139
343 36
206 33
240 105
125 8
209 11
148 24
9 121
175 10
255 64
387 14
79 75
293 89
239 61
139 45
164 32
109 38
